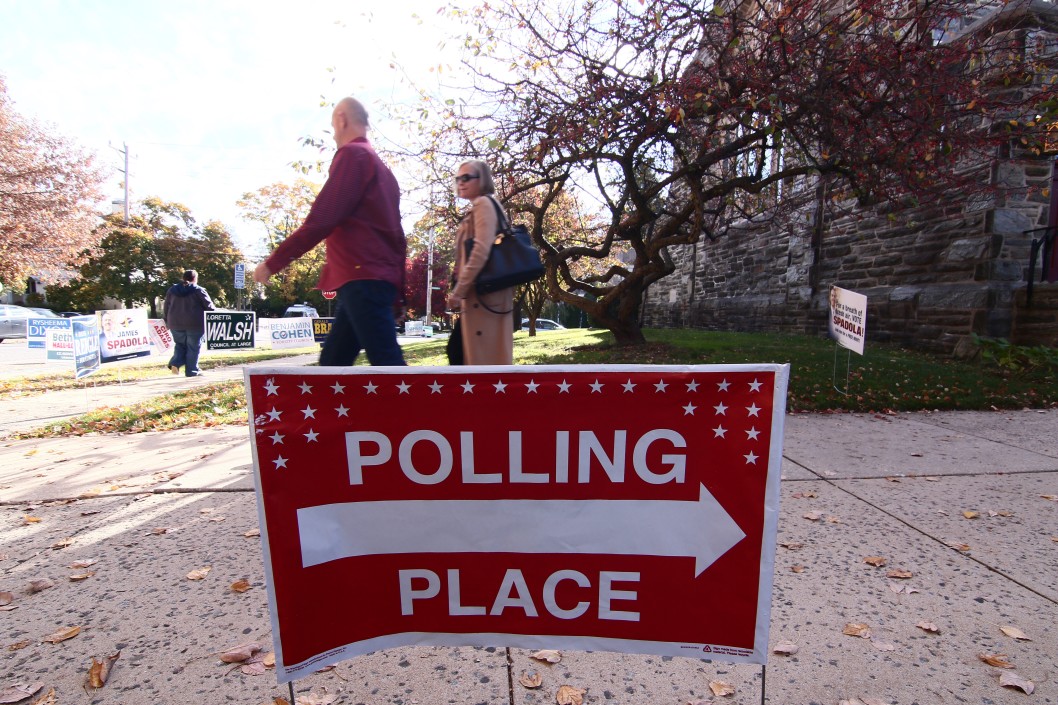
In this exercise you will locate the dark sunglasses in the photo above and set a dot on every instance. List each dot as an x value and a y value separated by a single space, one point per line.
462 179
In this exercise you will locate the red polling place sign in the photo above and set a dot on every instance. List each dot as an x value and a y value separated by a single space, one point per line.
606 508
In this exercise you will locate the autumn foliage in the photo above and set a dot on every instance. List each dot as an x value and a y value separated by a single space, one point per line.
679 119
48 192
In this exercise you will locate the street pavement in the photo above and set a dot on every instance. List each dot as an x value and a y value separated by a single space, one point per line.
964 502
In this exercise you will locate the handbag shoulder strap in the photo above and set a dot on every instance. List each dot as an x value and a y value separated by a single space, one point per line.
502 226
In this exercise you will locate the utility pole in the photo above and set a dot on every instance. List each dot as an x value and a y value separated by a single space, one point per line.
429 279
124 151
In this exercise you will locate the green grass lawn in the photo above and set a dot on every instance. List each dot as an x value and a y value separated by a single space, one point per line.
885 379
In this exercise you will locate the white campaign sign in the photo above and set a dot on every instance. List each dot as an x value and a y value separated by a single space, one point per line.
848 318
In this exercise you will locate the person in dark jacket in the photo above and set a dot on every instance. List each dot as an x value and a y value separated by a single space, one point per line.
357 213
185 307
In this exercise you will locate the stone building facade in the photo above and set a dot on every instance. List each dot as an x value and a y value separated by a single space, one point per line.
932 276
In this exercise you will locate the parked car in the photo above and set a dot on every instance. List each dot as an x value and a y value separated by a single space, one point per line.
43 312
13 321
543 324
301 311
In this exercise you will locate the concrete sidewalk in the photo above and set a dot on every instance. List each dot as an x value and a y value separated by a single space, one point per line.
150 508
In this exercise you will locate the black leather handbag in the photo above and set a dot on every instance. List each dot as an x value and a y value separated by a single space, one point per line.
512 260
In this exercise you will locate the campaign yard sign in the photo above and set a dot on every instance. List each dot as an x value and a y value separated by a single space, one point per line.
123 334
230 330
37 330
58 345
321 327
291 333
848 318
161 336
85 345
613 508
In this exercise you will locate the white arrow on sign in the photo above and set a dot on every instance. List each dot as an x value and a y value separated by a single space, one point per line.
701 528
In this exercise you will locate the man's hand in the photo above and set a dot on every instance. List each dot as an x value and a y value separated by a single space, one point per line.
261 273
455 303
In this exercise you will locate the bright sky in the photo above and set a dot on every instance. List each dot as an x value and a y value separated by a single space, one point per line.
211 96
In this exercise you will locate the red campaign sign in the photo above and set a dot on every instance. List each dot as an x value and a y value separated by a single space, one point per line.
609 508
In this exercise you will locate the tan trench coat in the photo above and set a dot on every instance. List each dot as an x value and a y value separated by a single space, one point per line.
488 338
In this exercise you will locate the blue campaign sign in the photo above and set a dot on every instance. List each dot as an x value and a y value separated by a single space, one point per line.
85 345
37 330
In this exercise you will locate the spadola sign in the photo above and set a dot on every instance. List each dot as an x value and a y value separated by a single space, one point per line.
614 508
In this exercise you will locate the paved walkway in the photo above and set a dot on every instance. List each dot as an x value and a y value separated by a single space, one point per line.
150 508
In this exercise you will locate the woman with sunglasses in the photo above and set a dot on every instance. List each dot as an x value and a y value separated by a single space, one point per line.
486 320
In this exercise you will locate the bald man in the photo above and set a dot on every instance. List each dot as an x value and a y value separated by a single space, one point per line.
358 213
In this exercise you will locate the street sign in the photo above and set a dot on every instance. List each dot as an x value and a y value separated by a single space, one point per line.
613 508
240 275
329 294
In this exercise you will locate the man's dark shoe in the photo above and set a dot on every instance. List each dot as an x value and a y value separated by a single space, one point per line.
195 374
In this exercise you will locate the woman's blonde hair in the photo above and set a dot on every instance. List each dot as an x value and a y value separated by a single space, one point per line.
488 186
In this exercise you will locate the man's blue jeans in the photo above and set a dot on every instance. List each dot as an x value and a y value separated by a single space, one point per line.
188 344
363 321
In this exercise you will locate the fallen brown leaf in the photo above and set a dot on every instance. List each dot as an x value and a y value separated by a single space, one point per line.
215 519
240 653
857 629
549 655
899 573
786 648
928 627
792 545
252 533
797 568
99 671
6 598
18 645
882 645
1015 633
241 585
1013 680
876 561
721 689
964 547
39 585
317 697
1001 513
833 520
158 531
87 563
31 520
568 695
970 514
199 573
997 660
1050 497
813 516
19 691
809 494
64 543
253 667
77 577
62 634
531 680
277 701
48 698
890 478
269 659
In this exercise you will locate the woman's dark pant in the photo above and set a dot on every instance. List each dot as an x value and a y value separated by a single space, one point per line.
363 321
